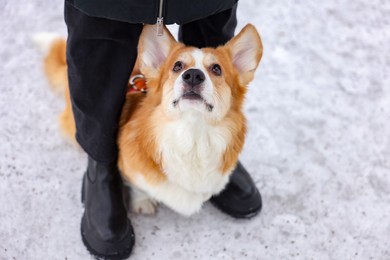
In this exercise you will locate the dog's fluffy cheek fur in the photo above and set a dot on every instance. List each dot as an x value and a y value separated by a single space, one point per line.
168 96
222 99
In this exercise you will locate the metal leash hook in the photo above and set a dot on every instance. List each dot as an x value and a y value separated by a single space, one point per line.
160 26
160 19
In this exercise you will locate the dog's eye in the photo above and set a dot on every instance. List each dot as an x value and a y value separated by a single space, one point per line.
178 66
216 69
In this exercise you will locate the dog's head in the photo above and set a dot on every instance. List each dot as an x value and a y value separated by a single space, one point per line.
209 81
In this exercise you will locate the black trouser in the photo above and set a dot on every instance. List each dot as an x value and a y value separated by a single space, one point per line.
101 54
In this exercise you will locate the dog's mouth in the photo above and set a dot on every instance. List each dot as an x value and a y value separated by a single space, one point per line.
193 96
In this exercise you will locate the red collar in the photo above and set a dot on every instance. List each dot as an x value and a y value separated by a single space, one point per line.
137 84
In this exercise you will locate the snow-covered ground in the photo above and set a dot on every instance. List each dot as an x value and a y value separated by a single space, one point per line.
318 143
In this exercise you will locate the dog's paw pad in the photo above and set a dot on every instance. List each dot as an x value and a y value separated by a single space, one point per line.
146 206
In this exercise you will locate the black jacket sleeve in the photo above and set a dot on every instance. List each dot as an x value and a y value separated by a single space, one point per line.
147 11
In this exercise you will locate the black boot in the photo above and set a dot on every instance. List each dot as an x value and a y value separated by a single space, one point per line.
105 228
240 198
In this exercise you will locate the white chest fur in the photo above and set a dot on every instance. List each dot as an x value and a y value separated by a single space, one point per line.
192 153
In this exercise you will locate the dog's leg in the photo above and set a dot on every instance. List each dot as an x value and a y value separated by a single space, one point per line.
139 202
179 199
176 197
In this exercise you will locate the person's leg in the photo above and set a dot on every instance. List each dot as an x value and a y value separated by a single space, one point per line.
240 198
212 31
100 55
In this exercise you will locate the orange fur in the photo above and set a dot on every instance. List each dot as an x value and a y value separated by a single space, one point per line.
234 120
55 65
56 71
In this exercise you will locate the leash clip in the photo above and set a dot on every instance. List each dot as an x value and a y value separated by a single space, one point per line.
160 26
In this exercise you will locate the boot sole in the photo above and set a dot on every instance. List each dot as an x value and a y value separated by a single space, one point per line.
237 215
120 255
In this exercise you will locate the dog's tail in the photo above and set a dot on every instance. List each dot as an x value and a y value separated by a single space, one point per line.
53 47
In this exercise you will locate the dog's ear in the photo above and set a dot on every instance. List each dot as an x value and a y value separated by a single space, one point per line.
245 50
153 49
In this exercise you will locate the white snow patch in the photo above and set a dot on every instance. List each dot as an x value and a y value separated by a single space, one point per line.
318 143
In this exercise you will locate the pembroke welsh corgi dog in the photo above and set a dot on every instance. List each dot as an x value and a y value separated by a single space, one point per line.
179 143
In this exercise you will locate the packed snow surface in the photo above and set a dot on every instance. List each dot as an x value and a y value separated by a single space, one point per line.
318 144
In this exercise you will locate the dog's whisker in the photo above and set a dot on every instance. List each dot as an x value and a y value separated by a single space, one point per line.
209 106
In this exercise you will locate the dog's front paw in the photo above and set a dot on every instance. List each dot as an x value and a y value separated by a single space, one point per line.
144 206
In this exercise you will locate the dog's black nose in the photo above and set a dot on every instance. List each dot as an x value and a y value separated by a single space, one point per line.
193 77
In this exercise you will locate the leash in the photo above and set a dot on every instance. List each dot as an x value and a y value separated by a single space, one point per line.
137 84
